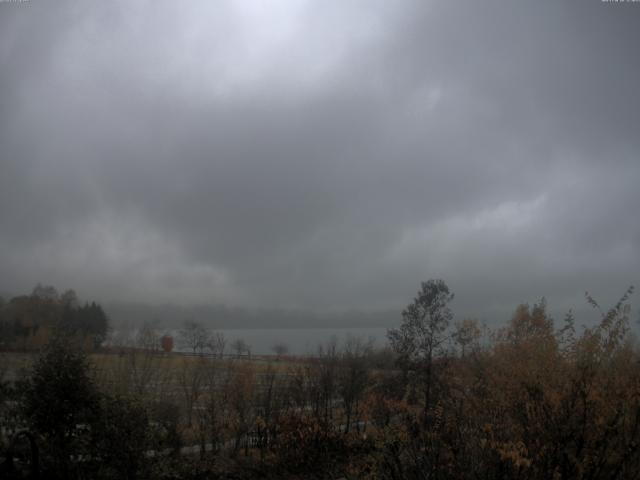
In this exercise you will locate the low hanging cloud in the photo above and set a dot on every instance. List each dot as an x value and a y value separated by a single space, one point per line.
330 156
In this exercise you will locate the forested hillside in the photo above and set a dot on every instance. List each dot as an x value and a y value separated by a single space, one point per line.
27 322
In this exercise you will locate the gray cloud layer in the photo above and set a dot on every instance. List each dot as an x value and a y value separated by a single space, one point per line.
322 155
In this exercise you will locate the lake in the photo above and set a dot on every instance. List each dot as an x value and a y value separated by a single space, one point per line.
300 341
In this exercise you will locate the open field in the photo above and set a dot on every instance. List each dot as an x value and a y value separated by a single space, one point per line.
13 363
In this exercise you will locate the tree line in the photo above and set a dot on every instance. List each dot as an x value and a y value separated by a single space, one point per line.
28 322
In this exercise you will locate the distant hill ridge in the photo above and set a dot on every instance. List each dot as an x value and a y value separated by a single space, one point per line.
221 316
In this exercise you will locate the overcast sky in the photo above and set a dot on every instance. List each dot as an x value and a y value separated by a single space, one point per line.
321 155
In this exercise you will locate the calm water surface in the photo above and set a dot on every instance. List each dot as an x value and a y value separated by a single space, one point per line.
300 341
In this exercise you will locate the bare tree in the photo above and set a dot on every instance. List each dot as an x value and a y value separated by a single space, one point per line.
137 369
148 338
217 344
142 372
240 347
280 349
353 377
194 336
191 379
322 376
240 397
212 413
272 401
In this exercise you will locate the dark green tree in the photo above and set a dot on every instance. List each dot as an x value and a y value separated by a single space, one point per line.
59 401
121 435
95 323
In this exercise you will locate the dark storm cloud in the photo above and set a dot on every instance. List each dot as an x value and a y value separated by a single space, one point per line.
324 156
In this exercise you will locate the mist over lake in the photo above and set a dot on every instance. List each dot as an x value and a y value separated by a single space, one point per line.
300 341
